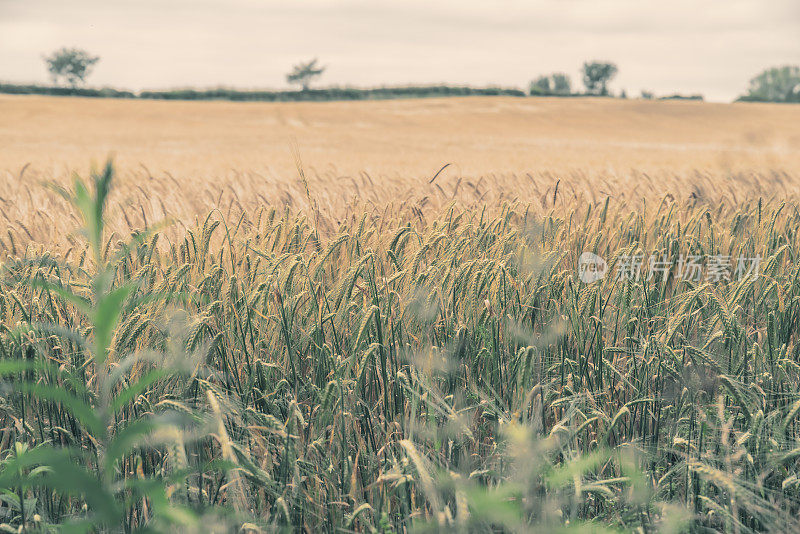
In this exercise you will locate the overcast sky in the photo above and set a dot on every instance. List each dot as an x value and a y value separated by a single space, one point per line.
711 47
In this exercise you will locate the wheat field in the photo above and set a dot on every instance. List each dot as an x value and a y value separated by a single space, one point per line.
335 331
183 159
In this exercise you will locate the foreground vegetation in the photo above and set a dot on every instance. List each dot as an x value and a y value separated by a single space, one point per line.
404 370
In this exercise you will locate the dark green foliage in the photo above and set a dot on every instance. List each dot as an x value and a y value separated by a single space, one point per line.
72 65
303 73
557 84
596 75
331 93
541 86
106 92
562 84
682 97
778 84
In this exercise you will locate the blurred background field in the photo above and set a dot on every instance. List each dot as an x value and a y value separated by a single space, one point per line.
182 159
408 138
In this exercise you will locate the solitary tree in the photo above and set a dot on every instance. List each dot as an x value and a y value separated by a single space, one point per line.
303 73
541 86
561 84
778 84
71 65
596 75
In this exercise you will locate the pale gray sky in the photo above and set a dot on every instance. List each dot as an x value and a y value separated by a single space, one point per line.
711 47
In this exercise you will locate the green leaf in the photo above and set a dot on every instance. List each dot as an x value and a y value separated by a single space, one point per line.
66 474
126 439
132 391
577 468
105 317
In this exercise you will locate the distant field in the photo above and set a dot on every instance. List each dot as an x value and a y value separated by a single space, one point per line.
181 159
411 138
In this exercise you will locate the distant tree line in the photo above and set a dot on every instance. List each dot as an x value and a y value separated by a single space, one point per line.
777 84
596 75
69 68
28 89
329 93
